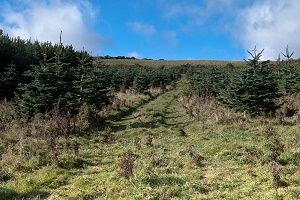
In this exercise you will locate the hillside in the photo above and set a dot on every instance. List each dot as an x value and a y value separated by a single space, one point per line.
170 63
73 126
159 149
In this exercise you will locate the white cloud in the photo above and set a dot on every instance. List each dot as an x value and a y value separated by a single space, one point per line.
271 25
142 28
43 21
267 24
133 54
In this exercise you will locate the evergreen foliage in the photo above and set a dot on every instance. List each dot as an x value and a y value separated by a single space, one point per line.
141 82
207 81
122 75
288 74
159 78
8 82
46 87
56 82
38 75
254 89
25 53
90 83
197 83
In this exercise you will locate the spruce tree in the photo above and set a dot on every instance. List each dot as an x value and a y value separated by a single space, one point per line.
90 84
45 88
207 81
289 73
9 80
198 83
254 89
217 79
141 82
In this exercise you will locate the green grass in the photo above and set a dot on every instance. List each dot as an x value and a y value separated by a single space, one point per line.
171 63
222 156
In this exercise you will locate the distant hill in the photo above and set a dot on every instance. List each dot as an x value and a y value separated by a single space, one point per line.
170 63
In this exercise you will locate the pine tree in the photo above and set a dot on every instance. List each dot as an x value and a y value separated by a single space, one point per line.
217 80
207 81
198 83
141 82
8 82
254 89
289 73
90 84
46 87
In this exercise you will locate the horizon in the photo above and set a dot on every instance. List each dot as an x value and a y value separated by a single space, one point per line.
159 29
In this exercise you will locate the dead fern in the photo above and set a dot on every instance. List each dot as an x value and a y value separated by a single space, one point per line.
275 174
127 163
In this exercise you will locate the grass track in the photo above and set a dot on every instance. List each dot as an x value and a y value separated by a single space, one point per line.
211 162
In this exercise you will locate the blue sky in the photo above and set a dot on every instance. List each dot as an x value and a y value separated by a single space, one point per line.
168 29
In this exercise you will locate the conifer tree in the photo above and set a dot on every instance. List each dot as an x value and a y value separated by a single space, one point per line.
90 83
207 82
254 89
289 73
46 87
141 82
9 80
217 80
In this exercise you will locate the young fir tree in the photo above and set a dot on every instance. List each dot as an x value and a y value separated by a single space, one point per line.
217 80
141 81
46 87
9 80
198 83
207 82
254 89
90 84
158 78
289 73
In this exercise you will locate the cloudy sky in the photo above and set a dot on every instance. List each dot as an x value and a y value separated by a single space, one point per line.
168 29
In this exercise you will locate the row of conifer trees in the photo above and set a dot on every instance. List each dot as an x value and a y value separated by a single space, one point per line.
255 89
36 76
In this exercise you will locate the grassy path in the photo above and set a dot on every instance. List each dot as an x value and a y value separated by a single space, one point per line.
214 161
223 157
162 112
159 119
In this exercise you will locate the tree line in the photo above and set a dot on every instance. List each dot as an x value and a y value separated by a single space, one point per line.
255 89
36 76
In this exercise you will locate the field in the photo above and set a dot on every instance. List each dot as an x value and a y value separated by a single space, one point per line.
163 146
160 144
73 126
170 63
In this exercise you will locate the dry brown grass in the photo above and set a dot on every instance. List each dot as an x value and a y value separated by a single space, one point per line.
291 105
128 98
207 109
125 98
